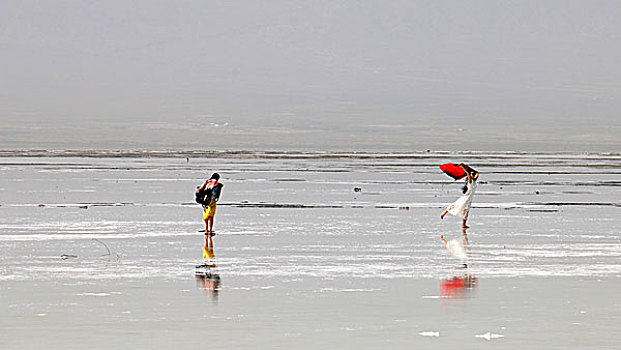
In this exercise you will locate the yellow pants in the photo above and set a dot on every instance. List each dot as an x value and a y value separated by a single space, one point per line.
209 210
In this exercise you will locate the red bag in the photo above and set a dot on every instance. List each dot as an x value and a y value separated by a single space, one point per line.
453 170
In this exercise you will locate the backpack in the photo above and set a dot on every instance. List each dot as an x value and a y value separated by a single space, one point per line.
203 196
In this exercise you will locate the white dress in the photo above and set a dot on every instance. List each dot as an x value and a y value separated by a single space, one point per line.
461 206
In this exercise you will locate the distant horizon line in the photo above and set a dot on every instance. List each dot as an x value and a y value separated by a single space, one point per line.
201 153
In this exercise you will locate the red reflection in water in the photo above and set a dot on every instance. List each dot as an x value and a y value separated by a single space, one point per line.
210 283
457 287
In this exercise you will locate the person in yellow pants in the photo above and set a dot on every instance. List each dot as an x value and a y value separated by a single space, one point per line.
214 187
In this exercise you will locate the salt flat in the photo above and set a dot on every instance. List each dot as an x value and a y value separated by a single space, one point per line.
108 241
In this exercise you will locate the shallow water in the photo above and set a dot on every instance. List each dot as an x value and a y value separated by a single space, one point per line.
303 260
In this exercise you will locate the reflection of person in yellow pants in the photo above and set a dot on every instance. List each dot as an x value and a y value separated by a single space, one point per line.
208 249
207 277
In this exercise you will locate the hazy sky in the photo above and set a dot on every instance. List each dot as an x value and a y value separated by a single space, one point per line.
325 75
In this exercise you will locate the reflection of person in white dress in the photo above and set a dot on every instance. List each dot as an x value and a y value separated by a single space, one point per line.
458 247
461 207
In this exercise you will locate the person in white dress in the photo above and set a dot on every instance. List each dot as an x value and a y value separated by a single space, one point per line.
461 207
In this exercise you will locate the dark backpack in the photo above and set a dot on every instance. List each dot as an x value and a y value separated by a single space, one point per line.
204 196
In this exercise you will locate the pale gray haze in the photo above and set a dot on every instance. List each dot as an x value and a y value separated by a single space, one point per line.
311 75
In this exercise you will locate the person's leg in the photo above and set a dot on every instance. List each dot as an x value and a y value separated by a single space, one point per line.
210 226
463 231
211 212
463 223
443 213
464 235
205 218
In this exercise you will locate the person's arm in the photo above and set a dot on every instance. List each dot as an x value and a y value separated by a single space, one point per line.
466 168
471 173
202 187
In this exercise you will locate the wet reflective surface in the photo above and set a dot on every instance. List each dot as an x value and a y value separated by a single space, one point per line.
304 259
